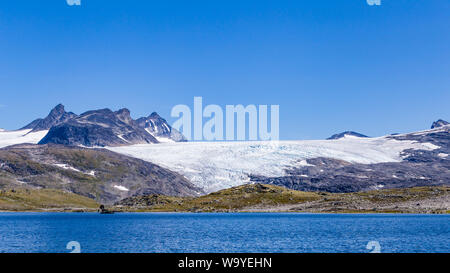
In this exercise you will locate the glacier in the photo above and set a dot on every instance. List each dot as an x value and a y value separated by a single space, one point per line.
8 138
214 166
218 165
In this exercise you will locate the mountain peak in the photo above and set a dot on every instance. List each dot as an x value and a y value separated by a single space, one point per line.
439 123
159 127
99 128
103 127
56 116
346 133
58 108
154 115
57 111
124 115
123 111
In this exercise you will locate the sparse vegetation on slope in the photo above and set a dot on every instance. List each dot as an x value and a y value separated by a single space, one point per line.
99 174
232 199
405 200
269 198
44 200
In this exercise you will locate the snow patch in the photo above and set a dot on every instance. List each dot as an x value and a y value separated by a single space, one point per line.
430 146
164 140
304 163
351 136
121 137
121 188
68 167
167 127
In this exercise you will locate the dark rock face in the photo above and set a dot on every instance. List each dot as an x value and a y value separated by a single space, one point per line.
158 127
418 168
99 128
102 175
56 116
439 123
32 124
347 133
102 128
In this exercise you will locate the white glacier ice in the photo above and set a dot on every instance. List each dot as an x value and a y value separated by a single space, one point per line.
8 138
218 165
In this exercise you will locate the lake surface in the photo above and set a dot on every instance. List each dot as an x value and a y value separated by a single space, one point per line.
227 232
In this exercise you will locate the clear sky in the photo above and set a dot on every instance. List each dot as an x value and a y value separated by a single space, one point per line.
330 65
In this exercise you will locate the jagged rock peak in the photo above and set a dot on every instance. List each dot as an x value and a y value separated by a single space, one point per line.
124 115
154 115
58 110
103 127
56 116
439 123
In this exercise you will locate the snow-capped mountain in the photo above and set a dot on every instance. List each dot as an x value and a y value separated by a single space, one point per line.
160 129
349 163
439 123
346 134
346 164
101 128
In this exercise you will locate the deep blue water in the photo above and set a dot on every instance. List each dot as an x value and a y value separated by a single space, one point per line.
228 232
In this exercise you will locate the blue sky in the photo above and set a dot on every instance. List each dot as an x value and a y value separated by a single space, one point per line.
330 65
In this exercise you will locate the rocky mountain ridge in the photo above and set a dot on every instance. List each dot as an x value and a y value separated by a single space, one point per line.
99 128
103 128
